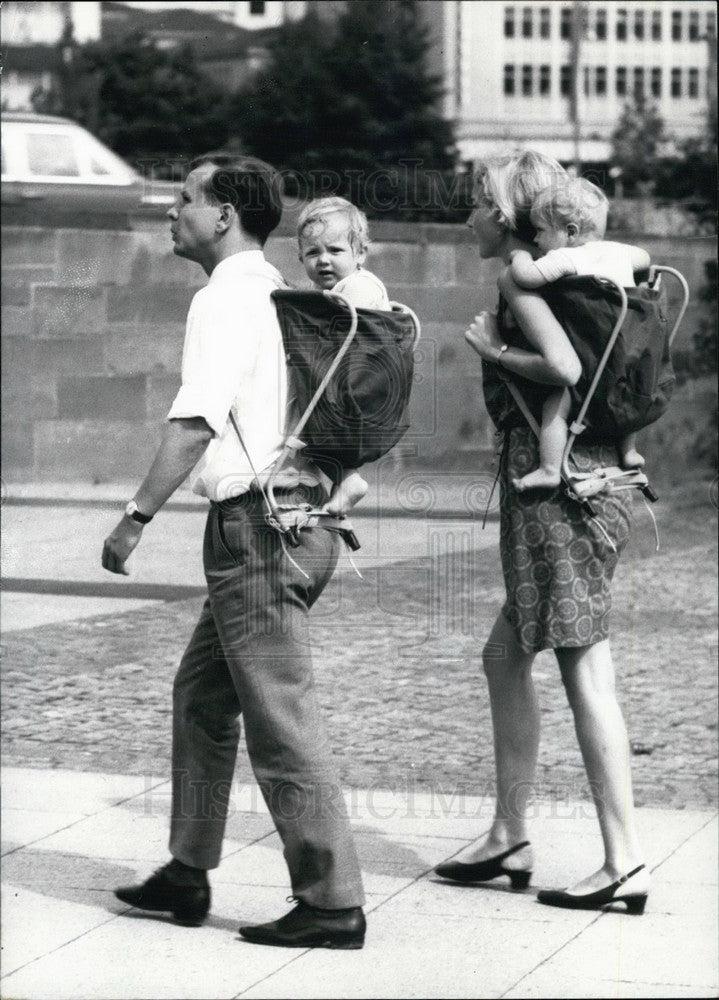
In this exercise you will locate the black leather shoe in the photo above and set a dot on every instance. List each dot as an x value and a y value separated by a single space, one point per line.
484 871
185 895
309 927
634 901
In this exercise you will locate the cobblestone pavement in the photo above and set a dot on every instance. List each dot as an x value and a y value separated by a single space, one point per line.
399 674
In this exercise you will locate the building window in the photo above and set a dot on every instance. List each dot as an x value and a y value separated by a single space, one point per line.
565 23
711 24
656 25
544 79
586 81
600 81
639 25
656 84
676 82
544 22
509 22
526 22
600 24
527 80
693 84
621 25
621 84
676 25
257 7
638 81
509 79
565 81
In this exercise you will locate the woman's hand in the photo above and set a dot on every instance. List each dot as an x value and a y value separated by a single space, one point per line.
484 337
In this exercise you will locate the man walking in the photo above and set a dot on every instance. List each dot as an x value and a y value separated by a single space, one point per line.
249 655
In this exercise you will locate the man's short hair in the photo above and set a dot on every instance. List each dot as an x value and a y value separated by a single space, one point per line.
576 200
251 186
356 220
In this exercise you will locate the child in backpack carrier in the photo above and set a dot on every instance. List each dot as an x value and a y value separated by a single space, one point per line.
570 219
332 234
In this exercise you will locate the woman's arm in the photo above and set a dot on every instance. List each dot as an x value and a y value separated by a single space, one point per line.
555 364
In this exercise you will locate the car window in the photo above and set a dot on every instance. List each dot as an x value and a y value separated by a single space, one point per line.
51 154
97 167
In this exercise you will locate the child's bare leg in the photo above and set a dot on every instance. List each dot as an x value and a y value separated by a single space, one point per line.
630 457
552 440
349 491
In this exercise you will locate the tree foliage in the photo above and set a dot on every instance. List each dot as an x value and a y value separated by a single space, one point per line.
350 100
637 142
144 102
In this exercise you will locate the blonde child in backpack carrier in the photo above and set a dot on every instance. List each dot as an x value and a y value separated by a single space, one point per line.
570 218
332 234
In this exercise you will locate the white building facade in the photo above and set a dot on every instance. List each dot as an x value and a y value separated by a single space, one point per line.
250 14
44 23
508 73
26 29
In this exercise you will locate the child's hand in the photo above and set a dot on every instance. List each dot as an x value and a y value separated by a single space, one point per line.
483 335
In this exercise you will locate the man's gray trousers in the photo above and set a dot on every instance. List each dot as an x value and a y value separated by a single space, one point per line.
250 655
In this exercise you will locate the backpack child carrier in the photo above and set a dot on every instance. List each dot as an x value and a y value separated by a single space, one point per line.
351 373
621 337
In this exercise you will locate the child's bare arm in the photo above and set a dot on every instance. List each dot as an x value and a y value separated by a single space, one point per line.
640 259
524 271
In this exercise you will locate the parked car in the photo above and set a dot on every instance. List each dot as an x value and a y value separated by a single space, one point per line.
54 172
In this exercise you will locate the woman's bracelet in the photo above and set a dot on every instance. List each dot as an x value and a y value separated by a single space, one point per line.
502 349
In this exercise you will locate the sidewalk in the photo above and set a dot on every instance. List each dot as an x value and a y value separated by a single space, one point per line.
53 534
70 838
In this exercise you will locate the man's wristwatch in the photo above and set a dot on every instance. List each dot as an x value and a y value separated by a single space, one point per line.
502 349
132 512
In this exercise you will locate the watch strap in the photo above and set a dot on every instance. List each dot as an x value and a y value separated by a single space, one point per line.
132 512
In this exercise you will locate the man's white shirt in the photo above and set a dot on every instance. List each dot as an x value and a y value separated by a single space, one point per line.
233 361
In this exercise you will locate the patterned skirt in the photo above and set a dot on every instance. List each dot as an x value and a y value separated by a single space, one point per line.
557 562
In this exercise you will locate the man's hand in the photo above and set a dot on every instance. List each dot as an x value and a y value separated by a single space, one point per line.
120 544
483 335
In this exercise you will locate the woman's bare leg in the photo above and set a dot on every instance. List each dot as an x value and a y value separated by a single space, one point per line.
588 677
515 721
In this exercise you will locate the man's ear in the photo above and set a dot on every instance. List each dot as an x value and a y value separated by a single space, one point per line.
572 232
226 217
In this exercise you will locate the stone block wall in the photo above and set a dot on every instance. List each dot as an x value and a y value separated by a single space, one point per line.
93 323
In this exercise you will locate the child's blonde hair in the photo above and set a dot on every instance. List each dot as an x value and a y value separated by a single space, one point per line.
511 183
577 201
320 208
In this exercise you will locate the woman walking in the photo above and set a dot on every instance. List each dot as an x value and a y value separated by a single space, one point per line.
558 566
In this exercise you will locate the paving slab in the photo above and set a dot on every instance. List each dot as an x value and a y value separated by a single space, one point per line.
51 790
669 949
421 956
35 926
19 611
68 937
148 959
544 984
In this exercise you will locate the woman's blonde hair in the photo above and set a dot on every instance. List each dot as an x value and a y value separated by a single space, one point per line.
578 201
511 183
320 208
